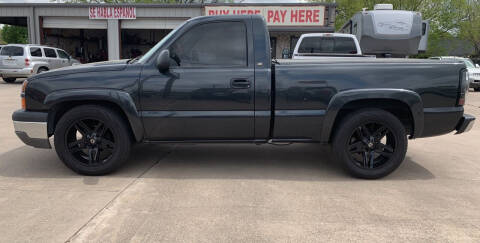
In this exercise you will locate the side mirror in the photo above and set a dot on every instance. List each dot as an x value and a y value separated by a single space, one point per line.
163 61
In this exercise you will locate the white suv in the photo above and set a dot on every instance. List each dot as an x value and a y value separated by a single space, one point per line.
23 61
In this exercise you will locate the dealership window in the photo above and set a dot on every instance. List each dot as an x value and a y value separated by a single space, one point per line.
36 51
343 45
212 44
50 52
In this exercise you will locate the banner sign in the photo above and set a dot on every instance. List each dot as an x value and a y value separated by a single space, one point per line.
276 15
112 13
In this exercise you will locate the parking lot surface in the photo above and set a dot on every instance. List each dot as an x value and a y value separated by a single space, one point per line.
239 193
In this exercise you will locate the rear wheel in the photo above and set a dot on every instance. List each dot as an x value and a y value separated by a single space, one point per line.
92 140
370 143
9 80
41 70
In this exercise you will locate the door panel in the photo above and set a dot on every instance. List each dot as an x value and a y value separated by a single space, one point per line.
197 104
208 92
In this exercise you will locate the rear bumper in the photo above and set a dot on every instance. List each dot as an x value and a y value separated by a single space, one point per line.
16 73
31 128
465 124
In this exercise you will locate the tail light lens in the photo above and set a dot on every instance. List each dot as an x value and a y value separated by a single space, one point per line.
22 94
464 85
27 62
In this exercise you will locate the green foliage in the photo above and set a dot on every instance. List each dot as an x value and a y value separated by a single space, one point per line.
14 34
452 19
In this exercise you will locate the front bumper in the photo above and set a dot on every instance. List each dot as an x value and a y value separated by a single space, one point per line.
465 124
31 128
16 73
475 84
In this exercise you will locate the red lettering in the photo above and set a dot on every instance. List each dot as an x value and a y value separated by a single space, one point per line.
301 16
316 16
283 13
293 16
211 12
276 18
257 11
308 16
269 16
92 13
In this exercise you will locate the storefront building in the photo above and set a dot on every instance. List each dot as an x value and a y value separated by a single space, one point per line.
97 32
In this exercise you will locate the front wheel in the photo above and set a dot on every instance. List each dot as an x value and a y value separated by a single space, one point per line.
9 80
370 143
92 140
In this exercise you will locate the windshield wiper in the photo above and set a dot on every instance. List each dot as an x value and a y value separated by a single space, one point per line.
132 60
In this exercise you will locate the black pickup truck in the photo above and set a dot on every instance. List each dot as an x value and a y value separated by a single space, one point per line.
212 80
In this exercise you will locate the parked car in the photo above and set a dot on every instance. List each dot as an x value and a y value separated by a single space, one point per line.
327 45
23 61
194 88
473 70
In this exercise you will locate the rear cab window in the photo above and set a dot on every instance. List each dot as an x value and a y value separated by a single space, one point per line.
49 52
339 45
14 51
36 51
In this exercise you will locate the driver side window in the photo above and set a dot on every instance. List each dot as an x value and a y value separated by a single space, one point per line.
211 44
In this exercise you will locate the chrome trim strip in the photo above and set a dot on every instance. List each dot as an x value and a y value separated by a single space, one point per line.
32 129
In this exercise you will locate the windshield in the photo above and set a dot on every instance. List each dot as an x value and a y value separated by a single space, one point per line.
340 45
469 63
159 44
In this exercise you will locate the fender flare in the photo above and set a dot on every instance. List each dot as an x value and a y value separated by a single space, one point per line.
118 97
408 97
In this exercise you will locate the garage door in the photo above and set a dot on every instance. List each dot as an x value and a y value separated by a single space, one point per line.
152 23
73 23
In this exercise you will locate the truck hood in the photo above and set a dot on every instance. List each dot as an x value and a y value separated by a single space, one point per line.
116 65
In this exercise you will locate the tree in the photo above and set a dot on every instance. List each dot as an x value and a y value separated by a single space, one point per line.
14 34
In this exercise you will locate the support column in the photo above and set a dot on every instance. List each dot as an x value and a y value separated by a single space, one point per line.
32 35
113 39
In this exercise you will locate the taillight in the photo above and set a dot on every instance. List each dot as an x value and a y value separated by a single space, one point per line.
27 62
464 85
22 94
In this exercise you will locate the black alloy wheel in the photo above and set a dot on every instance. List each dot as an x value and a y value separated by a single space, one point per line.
92 139
370 143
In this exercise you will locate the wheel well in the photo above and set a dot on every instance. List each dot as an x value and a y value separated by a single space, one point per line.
397 108
43 67
58 110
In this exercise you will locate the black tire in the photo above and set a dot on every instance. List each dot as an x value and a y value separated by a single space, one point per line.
370 143
9 80
86 146
41 70
476 89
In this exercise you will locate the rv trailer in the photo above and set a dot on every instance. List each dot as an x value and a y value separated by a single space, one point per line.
385 32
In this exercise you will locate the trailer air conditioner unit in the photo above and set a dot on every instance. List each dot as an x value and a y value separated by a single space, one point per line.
386 6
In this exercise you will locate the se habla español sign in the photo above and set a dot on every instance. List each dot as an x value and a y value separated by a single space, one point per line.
276 15
112 13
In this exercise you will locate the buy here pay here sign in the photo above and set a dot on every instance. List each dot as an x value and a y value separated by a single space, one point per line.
276 15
